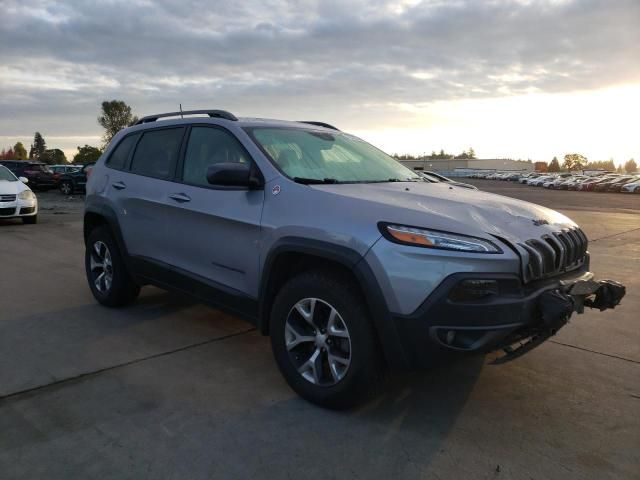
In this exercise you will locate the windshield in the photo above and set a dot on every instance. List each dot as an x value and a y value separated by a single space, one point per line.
312 156
35 167
6 175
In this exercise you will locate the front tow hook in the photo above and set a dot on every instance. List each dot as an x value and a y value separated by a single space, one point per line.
556 307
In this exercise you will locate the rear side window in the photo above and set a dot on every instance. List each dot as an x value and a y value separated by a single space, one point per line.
208 146
118 159
156 153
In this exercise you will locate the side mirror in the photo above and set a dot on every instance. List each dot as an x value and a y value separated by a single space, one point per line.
234 175
23 179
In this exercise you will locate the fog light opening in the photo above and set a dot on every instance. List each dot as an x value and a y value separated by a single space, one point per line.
474 289
450 337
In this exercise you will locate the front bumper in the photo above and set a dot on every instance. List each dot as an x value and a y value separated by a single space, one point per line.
18 208
513 317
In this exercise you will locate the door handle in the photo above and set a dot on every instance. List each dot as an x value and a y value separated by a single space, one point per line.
119 185
180 197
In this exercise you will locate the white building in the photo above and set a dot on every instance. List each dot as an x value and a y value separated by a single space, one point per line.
459 167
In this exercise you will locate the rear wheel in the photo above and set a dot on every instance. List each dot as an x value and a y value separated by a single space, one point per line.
107 275
66 188
323 340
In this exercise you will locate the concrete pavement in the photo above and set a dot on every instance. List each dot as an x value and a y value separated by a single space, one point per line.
170 389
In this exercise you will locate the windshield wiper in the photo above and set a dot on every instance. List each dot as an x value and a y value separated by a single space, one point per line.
394 180
315 181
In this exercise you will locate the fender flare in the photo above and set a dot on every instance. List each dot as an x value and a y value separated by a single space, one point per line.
111 219
382 320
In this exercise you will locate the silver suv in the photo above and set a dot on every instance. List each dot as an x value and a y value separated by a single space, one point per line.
348 260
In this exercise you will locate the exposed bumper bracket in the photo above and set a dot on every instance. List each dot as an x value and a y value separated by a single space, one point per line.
556 307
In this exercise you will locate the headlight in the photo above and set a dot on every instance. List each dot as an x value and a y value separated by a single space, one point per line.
421 237
26 195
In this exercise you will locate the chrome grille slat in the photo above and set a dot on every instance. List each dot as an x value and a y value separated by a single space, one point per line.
7 198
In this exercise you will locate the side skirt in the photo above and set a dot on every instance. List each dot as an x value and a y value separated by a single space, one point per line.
169 277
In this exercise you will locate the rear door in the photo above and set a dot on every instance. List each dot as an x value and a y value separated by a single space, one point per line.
214 232
140 191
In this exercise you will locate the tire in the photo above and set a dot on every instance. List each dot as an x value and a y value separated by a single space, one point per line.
334 385
32 220
66 188
115 288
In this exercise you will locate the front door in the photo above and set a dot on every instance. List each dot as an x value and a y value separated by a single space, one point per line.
214 232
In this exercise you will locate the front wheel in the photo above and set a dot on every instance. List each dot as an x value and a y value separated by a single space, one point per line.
323 340
107 275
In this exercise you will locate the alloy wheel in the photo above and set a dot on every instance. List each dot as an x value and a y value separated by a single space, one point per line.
318 342
65 188
101 267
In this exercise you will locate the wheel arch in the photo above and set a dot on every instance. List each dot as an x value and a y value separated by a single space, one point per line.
102 215
292 255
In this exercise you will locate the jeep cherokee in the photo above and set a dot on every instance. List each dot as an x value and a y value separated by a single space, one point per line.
351 262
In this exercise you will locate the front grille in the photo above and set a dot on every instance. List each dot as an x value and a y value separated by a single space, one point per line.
27 210
7 198
555 253
4 212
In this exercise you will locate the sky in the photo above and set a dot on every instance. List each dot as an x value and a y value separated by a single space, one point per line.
513 79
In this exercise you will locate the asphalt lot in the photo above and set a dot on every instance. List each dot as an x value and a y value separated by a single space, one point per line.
170 389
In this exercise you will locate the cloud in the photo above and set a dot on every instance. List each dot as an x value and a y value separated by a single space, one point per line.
356 61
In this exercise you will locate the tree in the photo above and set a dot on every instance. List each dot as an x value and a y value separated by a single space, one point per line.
116 115
554 165
574 161
19 151
53 156
631 166
87 154
7 154
38 147
602 165
471 153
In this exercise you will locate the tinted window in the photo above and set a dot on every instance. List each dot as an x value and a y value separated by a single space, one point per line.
206 147
156 152
118 159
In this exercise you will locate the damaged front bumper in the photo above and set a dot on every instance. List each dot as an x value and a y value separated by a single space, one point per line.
478 313
556 307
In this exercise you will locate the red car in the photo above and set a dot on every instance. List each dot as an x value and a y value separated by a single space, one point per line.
590 185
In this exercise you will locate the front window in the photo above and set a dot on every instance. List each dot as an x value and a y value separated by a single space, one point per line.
313 156
6 175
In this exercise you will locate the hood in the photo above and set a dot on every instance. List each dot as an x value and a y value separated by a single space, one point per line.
446 207
12 188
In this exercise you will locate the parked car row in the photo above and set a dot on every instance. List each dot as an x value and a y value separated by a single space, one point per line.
69 179
595 182
434 177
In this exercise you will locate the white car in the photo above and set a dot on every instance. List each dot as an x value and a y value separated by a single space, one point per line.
16 199
633 187
538 181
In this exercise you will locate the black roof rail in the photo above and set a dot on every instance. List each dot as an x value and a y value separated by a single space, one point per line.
319 124
212 113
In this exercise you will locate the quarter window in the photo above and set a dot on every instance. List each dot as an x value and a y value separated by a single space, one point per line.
156 153
120 155
209 146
